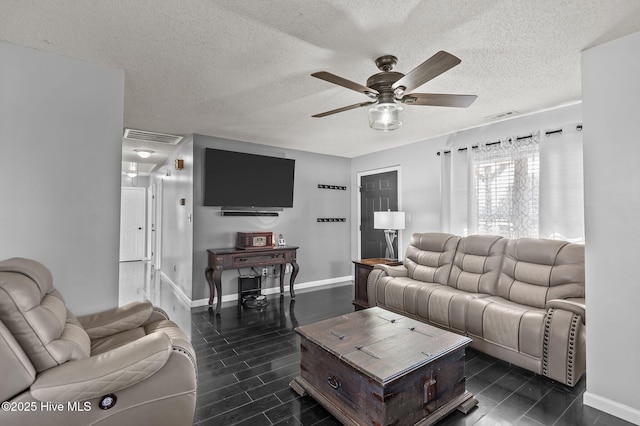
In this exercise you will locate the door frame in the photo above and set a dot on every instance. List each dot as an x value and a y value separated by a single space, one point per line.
151 222
157 254
359 176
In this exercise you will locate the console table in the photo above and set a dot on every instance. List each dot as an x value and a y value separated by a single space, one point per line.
233 258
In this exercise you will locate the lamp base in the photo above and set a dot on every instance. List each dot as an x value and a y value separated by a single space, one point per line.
390 236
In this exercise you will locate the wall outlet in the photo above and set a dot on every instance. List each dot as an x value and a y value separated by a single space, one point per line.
264 272
288 268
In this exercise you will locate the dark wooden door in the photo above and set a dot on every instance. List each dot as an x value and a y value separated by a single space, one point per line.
378 192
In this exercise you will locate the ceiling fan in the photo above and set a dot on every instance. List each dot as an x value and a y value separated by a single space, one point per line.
390 89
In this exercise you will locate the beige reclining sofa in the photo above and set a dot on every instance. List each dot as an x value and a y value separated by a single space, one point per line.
126 366
520 300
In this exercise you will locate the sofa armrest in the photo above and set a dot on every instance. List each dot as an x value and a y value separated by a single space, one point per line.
106 373
393 271
564 340
378 272
575 305
116 320
179 341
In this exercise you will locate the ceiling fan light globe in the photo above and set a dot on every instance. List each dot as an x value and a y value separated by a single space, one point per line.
385 116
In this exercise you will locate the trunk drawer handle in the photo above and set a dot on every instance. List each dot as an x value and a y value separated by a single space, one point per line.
333 382
429 391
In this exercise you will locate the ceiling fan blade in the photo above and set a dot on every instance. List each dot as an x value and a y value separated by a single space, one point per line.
347 108
438 99
332 78
429 69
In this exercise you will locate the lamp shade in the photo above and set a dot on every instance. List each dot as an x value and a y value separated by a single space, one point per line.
388 220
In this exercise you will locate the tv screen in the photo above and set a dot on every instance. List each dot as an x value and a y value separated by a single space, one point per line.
236 179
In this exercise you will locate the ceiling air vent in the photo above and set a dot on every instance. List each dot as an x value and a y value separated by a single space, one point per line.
502 115
141 135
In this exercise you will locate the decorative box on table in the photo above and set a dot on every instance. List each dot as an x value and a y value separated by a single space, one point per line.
254 240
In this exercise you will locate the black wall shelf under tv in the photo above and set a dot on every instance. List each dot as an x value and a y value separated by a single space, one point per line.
248 213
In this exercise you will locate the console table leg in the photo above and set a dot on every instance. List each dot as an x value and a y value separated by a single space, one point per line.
282 272
217 279
212 290
215 285
294 273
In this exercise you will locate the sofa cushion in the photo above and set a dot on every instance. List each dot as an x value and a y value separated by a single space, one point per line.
429 256
477 263
475 270
444 306
399 294
535 271
510 325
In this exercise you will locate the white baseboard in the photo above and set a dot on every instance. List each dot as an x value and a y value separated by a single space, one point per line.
273 290
612 407
176 289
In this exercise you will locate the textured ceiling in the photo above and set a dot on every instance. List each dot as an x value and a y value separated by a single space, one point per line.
240 69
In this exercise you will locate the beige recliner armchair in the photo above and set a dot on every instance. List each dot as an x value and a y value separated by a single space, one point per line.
126 366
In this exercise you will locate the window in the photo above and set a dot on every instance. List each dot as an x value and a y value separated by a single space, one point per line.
518 187
507 177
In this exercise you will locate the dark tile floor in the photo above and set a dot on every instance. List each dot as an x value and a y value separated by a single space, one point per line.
246 359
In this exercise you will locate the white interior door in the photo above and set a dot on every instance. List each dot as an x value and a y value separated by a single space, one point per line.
132 224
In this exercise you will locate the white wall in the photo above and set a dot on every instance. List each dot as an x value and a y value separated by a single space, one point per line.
61 124
324 247
420 167
610 90
177 220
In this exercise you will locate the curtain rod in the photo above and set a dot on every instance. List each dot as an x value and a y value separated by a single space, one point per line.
519 138
547 133
487 144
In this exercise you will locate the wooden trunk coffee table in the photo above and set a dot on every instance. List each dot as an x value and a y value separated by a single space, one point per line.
376 367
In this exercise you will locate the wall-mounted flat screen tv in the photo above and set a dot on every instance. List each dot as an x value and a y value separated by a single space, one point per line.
237 179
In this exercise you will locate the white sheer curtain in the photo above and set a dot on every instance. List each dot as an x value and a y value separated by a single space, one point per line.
519 187
562 186
456 179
